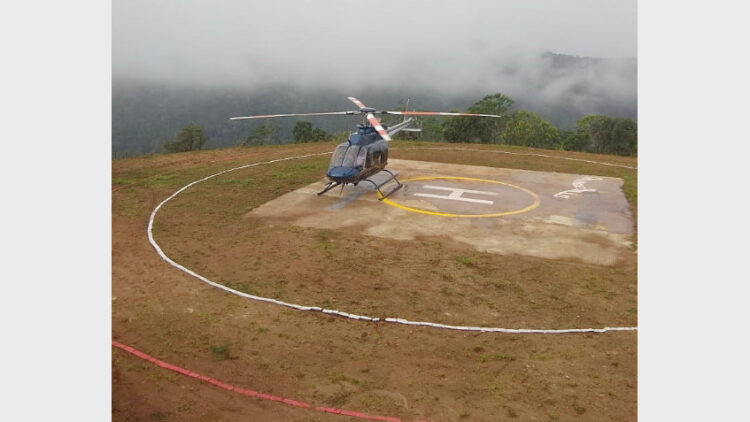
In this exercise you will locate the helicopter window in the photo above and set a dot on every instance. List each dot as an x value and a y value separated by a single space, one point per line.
361 157
346 155
338 155
355 156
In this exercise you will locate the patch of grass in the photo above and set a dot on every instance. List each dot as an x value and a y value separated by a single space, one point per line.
220 352
579 409
466 260
160 416
504 284
122 181
242 287
503 356
162 180
336 376
324 241
542 356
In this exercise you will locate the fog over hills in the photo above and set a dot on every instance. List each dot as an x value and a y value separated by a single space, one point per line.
176 62
561 88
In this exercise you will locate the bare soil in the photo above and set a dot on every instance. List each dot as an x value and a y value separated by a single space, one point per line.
383 369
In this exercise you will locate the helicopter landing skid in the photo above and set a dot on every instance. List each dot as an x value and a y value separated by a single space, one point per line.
329 186
382 195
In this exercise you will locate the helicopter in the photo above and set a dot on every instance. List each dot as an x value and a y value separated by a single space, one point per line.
365 153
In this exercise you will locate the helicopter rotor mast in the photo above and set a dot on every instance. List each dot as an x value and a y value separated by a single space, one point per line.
371 118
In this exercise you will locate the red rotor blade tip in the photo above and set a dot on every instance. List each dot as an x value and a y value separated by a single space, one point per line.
378 127
357 102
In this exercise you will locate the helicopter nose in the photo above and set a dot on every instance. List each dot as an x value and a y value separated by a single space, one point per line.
341 172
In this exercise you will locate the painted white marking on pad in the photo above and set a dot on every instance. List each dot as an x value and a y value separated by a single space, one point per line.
578 187
456 194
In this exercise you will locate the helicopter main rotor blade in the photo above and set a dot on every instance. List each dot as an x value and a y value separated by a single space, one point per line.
357 102
436 113
263 116
376 124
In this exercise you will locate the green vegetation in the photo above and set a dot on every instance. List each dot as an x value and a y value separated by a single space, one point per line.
466 260
265 134
607 135
220 352
479 129
527 129
594 133
304 132
579 409
190 138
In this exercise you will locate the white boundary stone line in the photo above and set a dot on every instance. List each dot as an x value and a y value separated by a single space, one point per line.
333 311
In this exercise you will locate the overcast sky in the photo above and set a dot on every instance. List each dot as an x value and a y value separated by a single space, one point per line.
348 41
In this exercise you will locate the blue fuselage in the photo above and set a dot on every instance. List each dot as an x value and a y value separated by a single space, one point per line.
362 151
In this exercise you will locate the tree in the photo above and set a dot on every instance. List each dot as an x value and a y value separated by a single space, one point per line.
608 135
431 129
264 134
587 140
479 129
569 141
529 129
465 129
190 138
319 135
624 137
304 132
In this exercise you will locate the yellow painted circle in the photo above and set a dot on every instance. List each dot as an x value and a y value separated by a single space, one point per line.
445 214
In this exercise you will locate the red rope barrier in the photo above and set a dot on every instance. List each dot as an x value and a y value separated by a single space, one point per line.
250 393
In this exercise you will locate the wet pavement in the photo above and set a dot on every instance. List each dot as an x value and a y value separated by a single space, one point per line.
504 211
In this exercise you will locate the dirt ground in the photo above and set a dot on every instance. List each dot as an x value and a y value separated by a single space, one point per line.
413 373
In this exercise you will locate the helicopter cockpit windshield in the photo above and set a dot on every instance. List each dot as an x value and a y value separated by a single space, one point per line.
347 160
347 155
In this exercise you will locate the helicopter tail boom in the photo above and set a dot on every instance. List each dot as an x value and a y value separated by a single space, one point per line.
403 126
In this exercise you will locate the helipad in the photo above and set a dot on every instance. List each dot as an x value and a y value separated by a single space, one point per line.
549 215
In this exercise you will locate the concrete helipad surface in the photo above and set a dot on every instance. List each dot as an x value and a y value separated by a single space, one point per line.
549 215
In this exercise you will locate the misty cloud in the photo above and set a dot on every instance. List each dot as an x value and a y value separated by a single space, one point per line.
451 44
177 61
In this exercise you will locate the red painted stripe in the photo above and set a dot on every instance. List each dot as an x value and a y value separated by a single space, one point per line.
357 102
375 122
251 393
